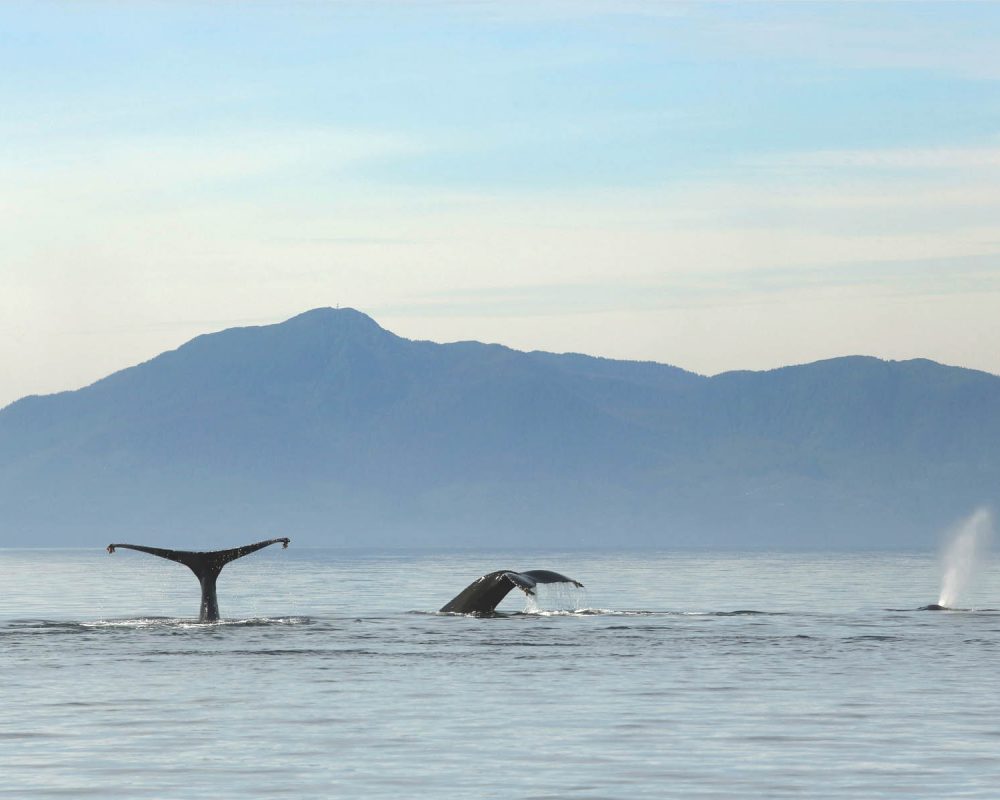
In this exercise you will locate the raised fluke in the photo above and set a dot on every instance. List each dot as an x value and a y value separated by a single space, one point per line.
484 594
206 565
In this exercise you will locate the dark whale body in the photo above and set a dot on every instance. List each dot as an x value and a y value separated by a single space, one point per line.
484 594
933 607
205 565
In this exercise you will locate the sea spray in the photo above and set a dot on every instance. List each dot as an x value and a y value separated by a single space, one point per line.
965 551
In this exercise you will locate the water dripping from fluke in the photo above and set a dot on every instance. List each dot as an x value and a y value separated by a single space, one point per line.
556 598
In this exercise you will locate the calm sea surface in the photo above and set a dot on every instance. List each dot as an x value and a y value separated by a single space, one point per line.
686 675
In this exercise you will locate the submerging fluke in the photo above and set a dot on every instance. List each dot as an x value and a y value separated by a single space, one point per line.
484 594
206 565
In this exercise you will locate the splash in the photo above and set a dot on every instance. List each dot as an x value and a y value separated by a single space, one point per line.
965 552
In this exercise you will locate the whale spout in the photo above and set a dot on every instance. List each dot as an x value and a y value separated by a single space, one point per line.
206 565
484 594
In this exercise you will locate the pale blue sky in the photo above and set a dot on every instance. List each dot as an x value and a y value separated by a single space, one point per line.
710 185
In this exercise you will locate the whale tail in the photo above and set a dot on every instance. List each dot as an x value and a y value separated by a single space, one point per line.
206 565
484 594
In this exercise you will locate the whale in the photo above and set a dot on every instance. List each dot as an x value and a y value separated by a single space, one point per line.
483 595
206 565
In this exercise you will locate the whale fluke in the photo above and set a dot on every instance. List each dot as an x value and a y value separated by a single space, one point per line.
206 565
484 594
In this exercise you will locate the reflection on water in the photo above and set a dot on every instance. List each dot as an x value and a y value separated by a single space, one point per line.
675 675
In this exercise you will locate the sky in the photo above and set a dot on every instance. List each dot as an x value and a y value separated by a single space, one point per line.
711 185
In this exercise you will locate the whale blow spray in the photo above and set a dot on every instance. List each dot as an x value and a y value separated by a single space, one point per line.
965 551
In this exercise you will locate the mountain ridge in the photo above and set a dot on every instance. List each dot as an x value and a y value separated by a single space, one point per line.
329 427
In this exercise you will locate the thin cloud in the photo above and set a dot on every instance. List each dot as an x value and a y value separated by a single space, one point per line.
163 161
930 158
887 278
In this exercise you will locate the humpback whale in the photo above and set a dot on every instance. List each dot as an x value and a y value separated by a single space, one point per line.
206 565
484 594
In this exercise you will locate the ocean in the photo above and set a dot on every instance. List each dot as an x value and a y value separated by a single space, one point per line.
671 675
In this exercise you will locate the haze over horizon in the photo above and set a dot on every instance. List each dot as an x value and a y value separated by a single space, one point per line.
712 186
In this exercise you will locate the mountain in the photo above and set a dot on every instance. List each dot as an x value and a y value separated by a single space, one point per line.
329 429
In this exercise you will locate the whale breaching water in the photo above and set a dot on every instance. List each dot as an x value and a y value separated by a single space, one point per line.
484 594
205 565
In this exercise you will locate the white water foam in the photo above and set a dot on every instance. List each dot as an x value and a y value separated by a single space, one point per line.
966 550
171 622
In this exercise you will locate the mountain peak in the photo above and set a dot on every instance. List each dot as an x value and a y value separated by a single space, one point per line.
328 312
334 319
